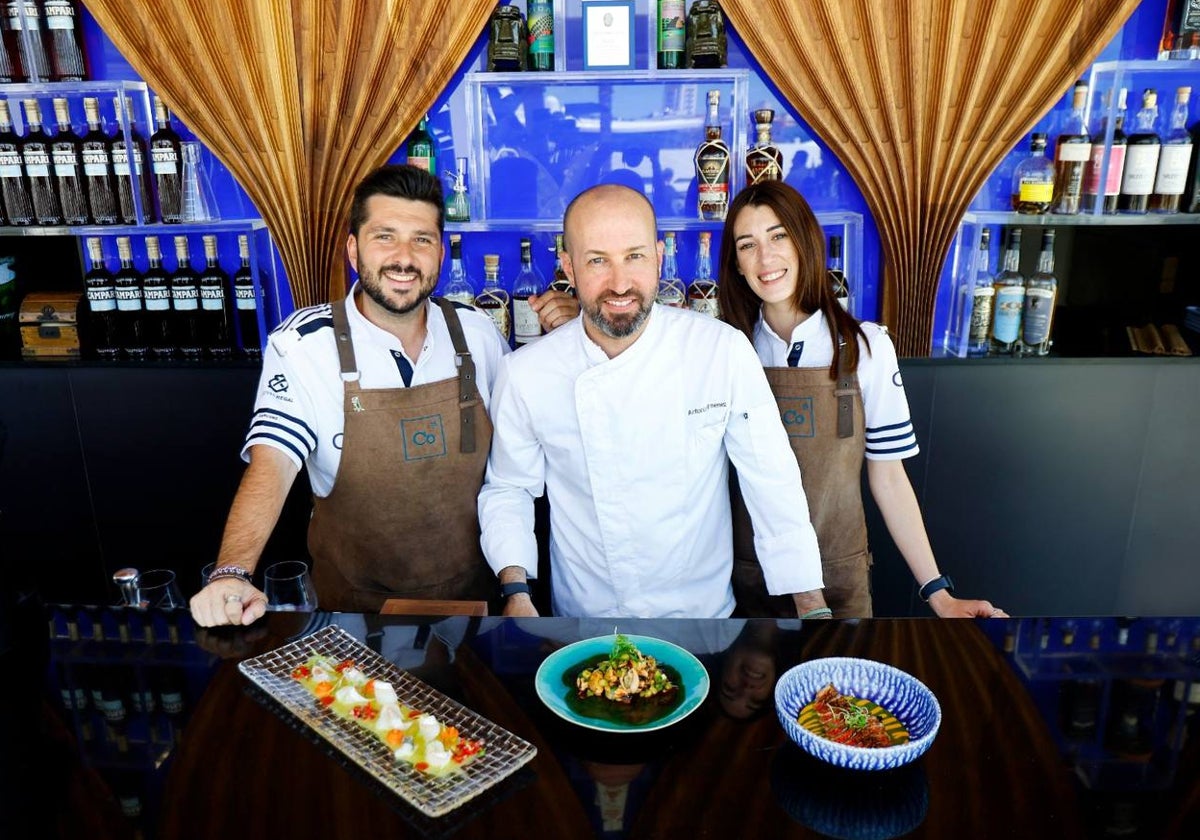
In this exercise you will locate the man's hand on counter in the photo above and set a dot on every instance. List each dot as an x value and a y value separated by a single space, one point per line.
554 308
947 606
228 601
520 606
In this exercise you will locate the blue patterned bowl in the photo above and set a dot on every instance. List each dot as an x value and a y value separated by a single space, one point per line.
901 694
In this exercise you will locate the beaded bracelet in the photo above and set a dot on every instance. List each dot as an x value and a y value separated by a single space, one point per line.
819 612
229 572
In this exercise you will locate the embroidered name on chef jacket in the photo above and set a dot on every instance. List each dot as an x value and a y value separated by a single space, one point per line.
797 416
423 438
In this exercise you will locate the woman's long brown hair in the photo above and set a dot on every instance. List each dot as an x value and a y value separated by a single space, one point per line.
814 293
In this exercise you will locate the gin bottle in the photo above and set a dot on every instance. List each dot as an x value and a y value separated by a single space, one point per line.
712 165
1173 159
670 287
764 161
1033 180
702 292
459 288
978 294
420 149
1037 316
529 281
1009 300
458 203
492 299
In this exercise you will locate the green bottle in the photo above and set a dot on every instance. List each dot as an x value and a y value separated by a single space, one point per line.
540 23
420 149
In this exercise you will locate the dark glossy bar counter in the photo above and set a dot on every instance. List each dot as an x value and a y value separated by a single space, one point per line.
143 726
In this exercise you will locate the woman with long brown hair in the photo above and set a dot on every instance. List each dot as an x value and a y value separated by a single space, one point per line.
837 382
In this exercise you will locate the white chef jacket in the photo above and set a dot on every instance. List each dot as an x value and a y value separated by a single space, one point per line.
889 429
632 453
300 405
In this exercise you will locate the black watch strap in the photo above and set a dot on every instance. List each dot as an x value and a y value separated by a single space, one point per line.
937 585
507 590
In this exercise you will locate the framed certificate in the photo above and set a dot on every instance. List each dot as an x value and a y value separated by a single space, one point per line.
608 34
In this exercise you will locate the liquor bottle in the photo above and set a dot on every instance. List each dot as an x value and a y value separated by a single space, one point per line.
705 45
492 299
672 34
529 281
166 163
702 291
66 58
561 282
764 161
156 292
837 276
712 165
9 70
1191 201
459 287
35 153
1037 316
670 288
216 317
129 179
1116 159
420 150
246 297
68 174
14 188
1033 179
1181 31
1141 158
102 328
1174 157
30 50
131 310
458 203
978 293
1009 299
508 47
540 23
1072 150
97 168
185 302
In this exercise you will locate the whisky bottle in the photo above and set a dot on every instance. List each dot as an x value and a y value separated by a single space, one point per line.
705 45
672 34
764 161
216 319
1033 180
102 329
30 50
35 153
420 150
1141 158
458 202
459 288
978 296
670 288
131 310
1116 159
837 276
493 300
97 168
508 47
14 188
130 178
156 292
529 281
1174 156
1009 299
1041 290
540 22
185 302
245 296
166 163
1181 31
68 174
561 282
1072 150
702 291
66 58
712 165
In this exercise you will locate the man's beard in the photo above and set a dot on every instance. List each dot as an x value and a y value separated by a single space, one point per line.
624 325
373 286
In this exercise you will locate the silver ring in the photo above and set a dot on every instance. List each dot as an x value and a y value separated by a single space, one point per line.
229 599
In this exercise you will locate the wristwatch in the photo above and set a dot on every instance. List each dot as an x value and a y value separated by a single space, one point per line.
937 585
507 590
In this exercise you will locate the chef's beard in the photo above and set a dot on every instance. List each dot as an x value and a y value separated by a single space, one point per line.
373 286
624 325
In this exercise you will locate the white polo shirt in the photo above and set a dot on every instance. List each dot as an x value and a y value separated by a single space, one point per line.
889 429
299 408
634 454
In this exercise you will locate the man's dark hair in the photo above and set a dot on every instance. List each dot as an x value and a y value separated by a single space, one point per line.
397 181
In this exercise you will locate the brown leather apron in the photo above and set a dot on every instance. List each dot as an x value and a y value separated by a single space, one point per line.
825 425
401 520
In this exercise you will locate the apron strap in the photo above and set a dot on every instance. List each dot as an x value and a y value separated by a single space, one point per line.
467 392
345 347
845 391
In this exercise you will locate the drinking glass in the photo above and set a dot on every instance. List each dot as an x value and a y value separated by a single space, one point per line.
205 572
157 589
289 587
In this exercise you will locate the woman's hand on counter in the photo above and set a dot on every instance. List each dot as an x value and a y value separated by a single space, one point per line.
228 601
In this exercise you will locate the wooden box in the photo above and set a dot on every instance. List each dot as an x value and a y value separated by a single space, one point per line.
49 328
